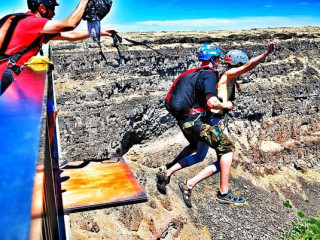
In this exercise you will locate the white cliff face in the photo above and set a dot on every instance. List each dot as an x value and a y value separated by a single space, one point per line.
107 110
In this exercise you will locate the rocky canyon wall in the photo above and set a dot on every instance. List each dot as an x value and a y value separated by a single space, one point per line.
106 108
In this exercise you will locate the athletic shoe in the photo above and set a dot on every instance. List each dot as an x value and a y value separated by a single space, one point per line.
229 198
186 192
162 182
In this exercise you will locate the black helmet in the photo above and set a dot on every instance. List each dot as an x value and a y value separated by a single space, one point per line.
34 4
96 10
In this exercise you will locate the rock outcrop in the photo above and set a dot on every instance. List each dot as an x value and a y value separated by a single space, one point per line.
107 110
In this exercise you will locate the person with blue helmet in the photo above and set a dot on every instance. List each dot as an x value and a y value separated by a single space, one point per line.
237 63
209 55
209 52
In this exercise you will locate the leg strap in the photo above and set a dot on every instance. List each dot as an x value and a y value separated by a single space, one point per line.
6 79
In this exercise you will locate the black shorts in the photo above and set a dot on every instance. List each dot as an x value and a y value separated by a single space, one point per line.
192 139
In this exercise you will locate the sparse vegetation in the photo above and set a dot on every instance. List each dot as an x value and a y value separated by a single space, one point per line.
287 204
307 229
301 214
302 228
123 47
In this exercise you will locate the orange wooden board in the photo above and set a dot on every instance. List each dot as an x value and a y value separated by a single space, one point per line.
37 198
97 184
37 203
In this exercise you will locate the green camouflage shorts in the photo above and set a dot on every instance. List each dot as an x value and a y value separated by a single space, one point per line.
211 135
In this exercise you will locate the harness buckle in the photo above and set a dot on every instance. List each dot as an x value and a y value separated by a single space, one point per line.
13 67
11 63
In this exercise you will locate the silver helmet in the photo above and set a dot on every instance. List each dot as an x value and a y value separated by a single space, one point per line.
234 57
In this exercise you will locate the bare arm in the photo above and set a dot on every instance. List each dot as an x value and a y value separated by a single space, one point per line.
79 35
57 26
232 73
214 103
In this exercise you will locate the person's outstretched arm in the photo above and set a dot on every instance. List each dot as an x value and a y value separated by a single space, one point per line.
80 35
58 26
233 73
214 103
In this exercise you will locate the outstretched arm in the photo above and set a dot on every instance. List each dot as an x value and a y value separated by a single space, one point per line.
232 73
79 35
57 26
214 103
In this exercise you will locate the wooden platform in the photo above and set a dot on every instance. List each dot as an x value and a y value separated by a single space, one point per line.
87 185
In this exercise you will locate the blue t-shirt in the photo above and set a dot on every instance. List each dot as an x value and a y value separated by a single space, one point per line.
207 83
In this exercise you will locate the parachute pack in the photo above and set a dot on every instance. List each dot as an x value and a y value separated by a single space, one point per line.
181 96
95 11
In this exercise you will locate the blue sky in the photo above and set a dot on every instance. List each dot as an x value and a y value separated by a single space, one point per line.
173 15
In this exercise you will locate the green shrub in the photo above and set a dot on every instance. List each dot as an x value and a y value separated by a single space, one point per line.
213 182
301 214
123 47
287 204
307 229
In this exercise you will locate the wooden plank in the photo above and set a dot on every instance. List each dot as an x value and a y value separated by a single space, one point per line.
87 185
37 204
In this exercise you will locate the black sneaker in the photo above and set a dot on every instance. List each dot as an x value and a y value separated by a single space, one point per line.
229 198
162 182
186 193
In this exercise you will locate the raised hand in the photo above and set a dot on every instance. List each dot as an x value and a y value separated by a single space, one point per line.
108 33
272 45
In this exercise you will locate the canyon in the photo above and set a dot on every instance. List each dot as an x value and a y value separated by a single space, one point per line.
109 109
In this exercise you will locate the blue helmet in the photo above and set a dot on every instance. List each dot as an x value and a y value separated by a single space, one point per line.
207 51
234 57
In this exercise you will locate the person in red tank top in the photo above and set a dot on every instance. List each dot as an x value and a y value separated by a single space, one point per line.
27 31
40 23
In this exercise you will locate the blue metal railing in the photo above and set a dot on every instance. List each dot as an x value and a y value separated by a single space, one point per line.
27 187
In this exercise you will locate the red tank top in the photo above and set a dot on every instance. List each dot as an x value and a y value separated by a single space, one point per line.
26 31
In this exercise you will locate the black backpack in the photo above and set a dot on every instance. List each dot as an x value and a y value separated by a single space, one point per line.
181 96
7 25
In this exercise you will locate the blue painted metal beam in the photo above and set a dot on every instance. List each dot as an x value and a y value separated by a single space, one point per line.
20 126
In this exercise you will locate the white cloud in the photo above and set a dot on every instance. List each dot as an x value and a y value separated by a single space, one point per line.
216 24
